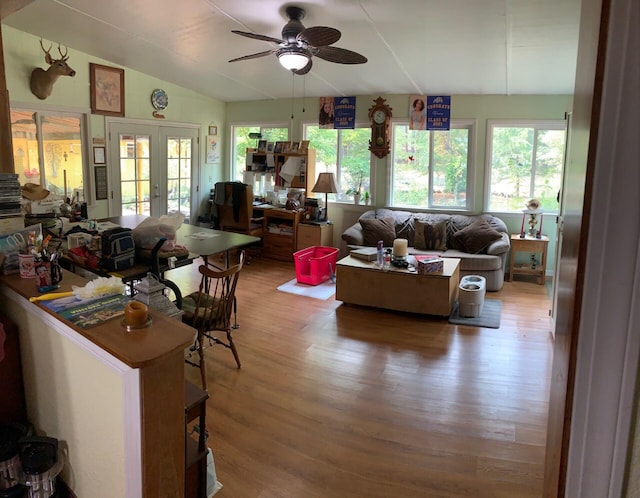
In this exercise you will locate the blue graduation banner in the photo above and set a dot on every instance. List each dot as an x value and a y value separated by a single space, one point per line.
438 112
345 113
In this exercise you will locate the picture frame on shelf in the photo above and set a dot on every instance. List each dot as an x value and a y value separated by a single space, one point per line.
107 90
304 146
271 147
286 147
295 146
262 146
278 147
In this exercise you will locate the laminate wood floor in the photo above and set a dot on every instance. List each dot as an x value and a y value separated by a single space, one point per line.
342 401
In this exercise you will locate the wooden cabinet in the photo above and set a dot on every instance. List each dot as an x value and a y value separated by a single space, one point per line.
312 234
531 245
195 406
260 164
279 240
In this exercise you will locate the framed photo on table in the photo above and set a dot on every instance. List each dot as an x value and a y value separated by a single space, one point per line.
107 90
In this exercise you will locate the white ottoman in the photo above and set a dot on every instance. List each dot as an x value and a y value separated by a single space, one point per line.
471 295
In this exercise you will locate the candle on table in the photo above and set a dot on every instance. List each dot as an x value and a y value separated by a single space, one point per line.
400 247
540 230
522 226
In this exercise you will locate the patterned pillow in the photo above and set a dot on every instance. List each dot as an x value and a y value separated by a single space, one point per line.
377 229
477 236
431 236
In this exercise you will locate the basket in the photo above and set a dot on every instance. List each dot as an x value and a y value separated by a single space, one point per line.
315 264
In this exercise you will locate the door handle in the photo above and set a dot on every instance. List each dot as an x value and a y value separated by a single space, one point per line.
156 189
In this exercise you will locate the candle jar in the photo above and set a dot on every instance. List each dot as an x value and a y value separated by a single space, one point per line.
136 314
400 248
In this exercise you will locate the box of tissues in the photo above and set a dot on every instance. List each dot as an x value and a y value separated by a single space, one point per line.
429 264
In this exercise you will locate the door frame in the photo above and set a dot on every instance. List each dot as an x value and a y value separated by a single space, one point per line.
195 159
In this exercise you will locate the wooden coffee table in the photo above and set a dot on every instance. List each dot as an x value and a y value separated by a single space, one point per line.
362 282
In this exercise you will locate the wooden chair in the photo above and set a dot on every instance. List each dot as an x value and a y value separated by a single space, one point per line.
209 310
234 204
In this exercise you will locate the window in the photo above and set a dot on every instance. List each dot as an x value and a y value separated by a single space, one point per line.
242 141
346 154
525 162
56 161
430 168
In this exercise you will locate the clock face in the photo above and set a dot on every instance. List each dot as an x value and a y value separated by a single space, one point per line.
379 116
159 99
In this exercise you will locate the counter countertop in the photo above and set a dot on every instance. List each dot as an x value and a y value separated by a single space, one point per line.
137 348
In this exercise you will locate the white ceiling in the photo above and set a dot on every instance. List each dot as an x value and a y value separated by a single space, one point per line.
500 47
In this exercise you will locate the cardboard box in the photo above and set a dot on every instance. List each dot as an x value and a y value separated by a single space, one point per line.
428 265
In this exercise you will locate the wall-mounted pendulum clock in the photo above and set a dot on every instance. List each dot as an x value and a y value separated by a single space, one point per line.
380 117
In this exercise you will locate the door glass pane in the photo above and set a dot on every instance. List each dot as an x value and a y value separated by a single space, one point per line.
179 176
134 174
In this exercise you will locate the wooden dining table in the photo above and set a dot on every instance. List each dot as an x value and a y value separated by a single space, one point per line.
199 240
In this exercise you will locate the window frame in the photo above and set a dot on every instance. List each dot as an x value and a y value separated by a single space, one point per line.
472 126
537 125
341 197
86 147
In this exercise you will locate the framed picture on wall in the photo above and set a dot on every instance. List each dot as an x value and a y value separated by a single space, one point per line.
107 90
213 130
98 155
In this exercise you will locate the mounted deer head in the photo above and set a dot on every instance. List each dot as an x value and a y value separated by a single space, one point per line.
42 81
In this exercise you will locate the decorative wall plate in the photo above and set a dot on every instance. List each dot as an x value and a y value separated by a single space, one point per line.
159 99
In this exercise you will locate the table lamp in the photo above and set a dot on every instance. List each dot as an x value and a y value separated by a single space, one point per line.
326 184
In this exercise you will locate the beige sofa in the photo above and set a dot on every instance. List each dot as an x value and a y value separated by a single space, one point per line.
480 241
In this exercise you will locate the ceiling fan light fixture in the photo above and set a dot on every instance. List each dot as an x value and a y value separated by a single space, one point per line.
293 60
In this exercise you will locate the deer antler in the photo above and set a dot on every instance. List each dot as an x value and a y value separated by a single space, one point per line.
44 49
66 50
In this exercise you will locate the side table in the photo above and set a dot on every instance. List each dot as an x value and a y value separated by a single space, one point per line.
530 245
314 234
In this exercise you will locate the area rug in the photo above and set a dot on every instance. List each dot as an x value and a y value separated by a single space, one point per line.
490 316
321 291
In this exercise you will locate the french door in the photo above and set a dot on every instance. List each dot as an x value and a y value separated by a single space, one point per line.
154 169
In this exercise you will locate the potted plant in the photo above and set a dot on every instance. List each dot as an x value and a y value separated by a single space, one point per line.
365 197
356 192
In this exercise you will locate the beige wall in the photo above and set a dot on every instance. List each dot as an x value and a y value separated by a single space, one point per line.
22 54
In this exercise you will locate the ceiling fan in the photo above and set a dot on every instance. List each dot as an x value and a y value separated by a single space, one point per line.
300 44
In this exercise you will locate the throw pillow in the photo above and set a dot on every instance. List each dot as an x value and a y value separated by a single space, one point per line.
377 229
431 236
477 236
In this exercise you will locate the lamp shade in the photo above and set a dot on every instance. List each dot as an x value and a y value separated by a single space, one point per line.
325 184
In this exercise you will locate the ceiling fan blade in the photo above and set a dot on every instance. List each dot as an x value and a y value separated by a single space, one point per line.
257 37
305 69
319 36
340 55
253 56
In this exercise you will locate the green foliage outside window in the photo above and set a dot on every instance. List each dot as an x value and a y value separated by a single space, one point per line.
346 154
430 167
526 163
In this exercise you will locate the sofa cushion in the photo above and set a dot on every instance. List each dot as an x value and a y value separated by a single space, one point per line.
377 229
477 236
430 235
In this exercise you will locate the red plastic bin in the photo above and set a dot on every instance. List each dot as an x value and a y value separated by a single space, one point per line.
315 264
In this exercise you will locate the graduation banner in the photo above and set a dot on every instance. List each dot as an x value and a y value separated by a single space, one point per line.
337 113
438 112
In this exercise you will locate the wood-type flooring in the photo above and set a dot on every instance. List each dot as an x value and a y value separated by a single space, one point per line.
342 401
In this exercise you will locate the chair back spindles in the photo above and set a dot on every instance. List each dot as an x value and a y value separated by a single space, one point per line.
209 309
